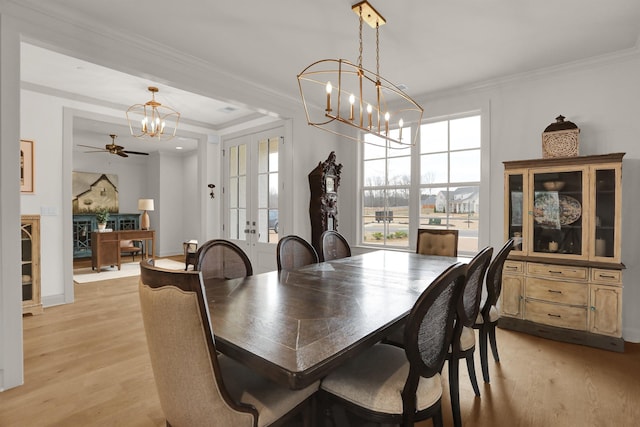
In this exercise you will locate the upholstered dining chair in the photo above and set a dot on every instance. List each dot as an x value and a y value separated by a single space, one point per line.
222 259
488 317
294 252
464 340
333 246
437 242
196 385
387 384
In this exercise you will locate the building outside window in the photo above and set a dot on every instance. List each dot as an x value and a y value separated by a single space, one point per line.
443 192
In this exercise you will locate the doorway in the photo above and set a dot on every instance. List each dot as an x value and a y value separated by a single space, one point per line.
251 195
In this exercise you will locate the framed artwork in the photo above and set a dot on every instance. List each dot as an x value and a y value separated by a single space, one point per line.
27 169
94 191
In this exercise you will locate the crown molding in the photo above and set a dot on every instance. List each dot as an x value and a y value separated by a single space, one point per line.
72 35
624 55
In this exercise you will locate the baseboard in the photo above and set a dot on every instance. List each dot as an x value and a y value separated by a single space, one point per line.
53 300
631 334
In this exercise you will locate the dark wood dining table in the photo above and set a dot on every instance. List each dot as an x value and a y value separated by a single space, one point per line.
296 327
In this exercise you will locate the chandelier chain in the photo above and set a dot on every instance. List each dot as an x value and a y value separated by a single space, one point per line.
360 41
377 49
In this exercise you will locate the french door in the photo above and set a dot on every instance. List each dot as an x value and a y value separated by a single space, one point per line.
251 218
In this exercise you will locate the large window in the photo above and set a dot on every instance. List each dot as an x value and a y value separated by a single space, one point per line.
386 193
442 192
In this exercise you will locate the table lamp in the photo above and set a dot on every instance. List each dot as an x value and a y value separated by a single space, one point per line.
145 205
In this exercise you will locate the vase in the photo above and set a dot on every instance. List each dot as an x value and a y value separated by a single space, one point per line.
102 226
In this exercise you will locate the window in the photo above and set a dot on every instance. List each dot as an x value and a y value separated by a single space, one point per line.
386 192
443 192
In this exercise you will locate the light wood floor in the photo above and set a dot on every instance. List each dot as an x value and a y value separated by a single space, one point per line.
86 364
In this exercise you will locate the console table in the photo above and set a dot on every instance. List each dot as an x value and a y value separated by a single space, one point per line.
105 246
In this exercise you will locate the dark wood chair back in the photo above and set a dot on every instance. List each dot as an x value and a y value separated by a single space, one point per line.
429 332
437 242
294 252
469 305
222 259
333 246
494 278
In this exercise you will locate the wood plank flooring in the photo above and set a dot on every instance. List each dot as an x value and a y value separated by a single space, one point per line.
86 364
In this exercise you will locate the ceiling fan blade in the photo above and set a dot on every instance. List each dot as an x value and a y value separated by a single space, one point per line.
135 152
91 146
121 154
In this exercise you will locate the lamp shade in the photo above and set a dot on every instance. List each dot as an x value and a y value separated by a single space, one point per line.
145 204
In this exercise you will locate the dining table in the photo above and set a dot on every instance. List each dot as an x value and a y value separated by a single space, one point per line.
295 327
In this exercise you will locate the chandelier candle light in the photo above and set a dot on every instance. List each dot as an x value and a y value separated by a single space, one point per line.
152 119
366 92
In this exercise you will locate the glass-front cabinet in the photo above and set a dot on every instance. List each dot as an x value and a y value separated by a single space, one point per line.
565 271
30 263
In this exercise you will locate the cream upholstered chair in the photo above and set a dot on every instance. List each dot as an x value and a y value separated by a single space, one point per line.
333 246
488 317
464 340
437 242
222 259
393 385
196 385
294 252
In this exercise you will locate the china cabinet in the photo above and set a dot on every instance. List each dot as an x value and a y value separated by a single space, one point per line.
30 250
563 280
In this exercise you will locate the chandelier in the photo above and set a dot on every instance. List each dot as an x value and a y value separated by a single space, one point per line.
152 119
356 97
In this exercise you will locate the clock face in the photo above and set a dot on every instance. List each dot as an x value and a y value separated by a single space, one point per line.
330 184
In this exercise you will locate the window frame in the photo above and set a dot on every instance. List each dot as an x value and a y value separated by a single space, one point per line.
415 186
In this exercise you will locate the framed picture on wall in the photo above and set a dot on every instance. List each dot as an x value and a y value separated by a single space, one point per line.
27 171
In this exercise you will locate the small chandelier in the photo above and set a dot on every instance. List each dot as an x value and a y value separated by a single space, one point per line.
152 119
362 99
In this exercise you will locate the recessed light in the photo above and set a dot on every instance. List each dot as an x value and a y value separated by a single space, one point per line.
178 148
228 109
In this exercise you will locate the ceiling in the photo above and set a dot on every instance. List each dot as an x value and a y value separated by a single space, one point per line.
427 46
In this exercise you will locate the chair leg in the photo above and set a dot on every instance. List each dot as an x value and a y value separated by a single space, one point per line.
437 418
492 339
483 353
471 368
454 390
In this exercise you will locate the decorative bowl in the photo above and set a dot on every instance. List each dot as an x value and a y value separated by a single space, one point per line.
553 185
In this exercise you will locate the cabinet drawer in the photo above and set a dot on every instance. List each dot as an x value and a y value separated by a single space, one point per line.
557 271
561 316
513 267
558 292
609 277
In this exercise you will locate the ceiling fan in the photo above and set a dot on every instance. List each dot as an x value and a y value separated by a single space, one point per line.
113 148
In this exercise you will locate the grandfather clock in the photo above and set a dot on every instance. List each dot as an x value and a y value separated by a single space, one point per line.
324 181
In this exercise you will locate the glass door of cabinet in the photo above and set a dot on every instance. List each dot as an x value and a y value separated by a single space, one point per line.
605 233
515 226
559 226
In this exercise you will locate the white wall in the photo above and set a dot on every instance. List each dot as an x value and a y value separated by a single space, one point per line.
601 97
